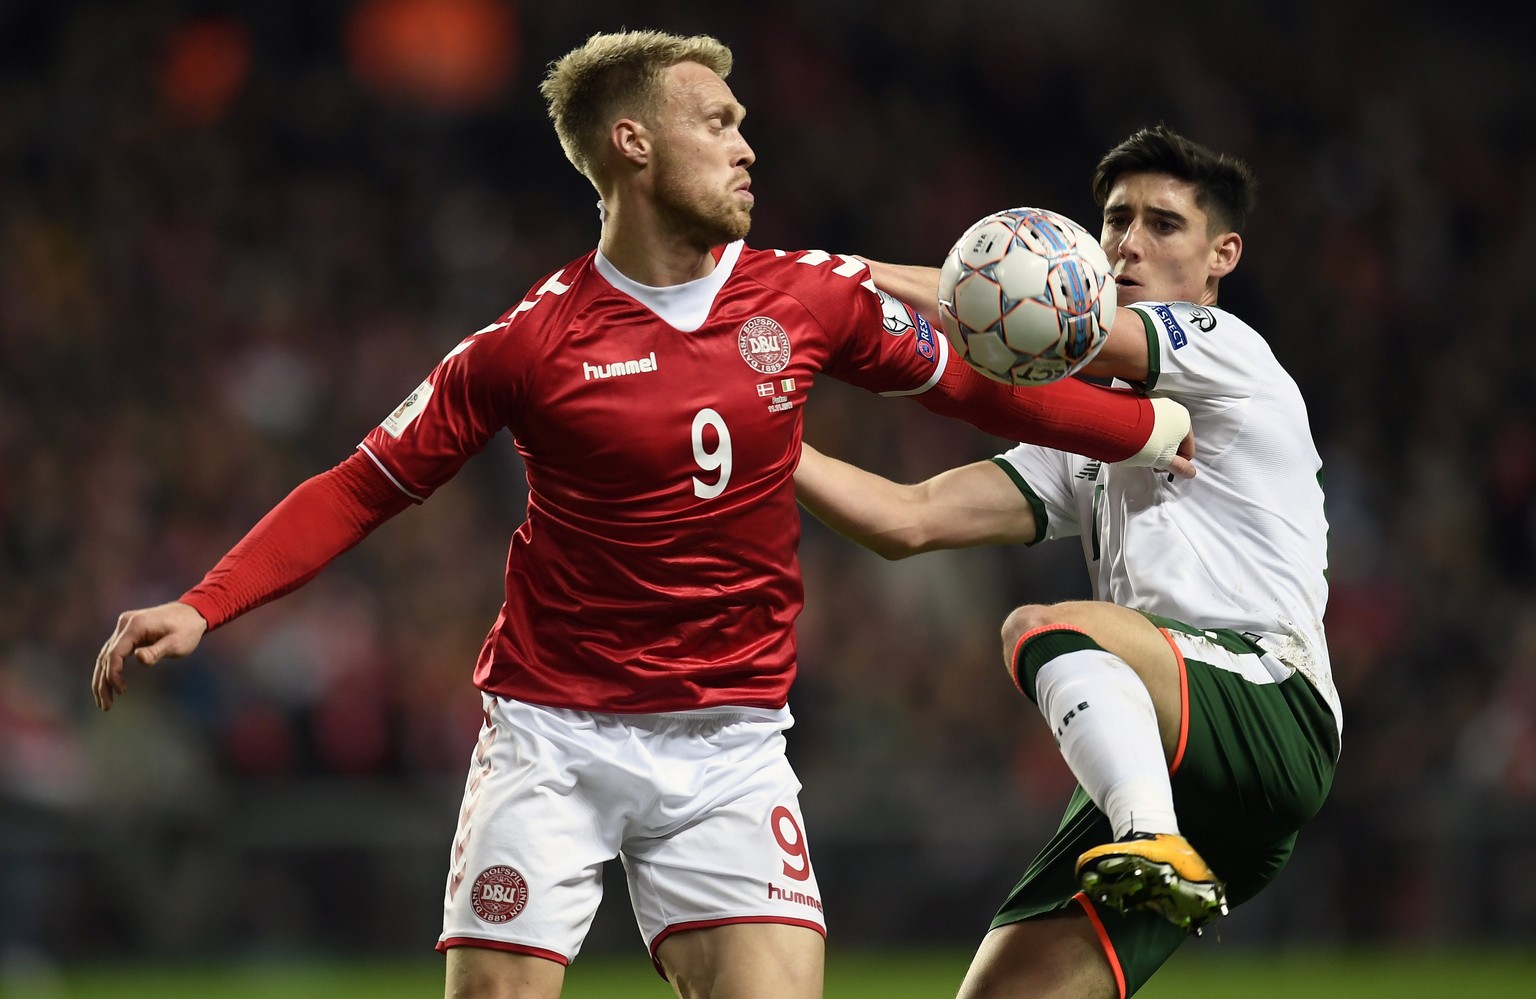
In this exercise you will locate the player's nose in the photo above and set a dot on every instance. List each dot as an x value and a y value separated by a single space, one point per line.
745 157
1130 241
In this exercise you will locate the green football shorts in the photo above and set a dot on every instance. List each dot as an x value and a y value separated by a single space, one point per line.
1256 762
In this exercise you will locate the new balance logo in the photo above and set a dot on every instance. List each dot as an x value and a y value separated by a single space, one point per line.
1090 471
619 368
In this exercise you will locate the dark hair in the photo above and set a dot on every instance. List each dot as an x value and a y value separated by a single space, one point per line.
1224 186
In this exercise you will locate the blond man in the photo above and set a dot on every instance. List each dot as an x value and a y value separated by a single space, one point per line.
635 683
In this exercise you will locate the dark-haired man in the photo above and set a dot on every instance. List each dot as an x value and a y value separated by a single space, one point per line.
1192 698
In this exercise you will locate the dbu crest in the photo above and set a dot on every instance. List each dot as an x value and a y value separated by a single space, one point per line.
764 345
499 894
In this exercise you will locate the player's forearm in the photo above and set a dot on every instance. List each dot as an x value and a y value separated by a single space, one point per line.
323 517
865 508
1125 354
915 286
975 504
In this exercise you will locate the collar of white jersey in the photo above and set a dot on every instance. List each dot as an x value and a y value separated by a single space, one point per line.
684 306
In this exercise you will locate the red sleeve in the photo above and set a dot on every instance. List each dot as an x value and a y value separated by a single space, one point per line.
1068 415
323 517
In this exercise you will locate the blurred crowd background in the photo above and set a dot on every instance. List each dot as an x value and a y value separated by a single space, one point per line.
233 235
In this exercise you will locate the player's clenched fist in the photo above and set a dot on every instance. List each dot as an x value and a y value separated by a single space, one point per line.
169 631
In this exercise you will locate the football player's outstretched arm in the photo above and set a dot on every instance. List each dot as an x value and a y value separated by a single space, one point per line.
915 286
974 504
1125 354
320 519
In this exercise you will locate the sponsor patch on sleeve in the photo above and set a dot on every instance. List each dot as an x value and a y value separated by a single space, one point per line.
896 317
925 345
899 320
405 414
1176 335
1203 318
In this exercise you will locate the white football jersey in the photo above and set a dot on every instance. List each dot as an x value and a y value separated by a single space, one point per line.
1244 544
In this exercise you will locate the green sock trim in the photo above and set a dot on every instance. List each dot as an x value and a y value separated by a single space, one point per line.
1037 650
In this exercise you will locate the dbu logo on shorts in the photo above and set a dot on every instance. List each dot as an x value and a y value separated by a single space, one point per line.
499 894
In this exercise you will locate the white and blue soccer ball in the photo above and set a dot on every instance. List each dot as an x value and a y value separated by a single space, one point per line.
1026 296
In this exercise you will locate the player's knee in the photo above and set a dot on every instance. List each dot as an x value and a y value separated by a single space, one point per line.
1020 622
1026 619
1032 636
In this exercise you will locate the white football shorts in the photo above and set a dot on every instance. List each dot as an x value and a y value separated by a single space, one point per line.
702 806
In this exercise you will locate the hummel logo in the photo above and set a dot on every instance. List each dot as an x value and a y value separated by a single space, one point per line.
619 368
1090 471
797 897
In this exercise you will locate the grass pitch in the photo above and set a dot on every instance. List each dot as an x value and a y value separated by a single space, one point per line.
904 975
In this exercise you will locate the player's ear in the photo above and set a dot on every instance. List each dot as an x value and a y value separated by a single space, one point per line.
1225 253
631 140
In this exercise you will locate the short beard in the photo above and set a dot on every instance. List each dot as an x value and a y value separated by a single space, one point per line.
711 226
706 228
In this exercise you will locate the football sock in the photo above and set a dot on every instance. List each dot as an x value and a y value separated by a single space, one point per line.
1104 723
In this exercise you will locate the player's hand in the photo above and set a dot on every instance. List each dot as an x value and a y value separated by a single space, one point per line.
1182 463
169 631
1171 446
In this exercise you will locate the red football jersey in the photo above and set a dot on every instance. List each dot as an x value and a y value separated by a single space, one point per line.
660 427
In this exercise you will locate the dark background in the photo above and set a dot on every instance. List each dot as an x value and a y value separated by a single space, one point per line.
234 235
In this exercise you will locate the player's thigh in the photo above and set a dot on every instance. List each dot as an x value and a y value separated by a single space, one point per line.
482 973
1258 765
745 961
726 842
1122 632
1056 956
1261 742
541 816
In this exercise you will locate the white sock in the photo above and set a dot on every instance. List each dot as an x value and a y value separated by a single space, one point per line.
1103 720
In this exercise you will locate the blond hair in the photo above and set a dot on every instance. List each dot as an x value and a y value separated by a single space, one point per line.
615 76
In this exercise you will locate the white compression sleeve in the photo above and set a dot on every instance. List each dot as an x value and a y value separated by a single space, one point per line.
1104 722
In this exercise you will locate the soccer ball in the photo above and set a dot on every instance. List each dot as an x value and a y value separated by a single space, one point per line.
1026 296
